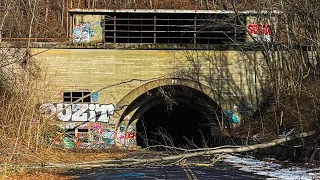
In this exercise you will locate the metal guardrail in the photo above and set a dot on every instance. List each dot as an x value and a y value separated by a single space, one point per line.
172 28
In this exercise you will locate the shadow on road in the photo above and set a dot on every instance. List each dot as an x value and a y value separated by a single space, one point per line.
169 172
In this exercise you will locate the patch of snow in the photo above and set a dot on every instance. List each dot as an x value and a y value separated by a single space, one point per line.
272 169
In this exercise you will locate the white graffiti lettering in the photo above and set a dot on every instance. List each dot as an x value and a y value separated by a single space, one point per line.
80 112
92 117
64 116
48 109
104 110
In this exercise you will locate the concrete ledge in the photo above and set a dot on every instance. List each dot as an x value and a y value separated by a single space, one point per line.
96 45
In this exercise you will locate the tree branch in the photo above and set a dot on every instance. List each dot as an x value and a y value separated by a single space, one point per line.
172 158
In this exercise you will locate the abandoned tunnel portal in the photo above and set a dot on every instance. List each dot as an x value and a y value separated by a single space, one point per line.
175 115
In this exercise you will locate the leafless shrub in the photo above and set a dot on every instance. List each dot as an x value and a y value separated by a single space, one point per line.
23 87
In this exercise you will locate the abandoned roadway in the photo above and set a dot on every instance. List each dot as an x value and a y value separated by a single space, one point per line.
219 171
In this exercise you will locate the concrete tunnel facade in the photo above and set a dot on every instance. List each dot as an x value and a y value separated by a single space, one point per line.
105 120
107 52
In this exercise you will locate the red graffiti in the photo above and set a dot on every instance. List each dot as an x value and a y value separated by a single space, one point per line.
259 29
131 135
60 94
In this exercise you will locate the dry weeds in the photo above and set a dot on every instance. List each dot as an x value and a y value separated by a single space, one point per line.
58 156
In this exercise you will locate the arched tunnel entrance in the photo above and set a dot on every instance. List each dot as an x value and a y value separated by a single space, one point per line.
182 124
177 116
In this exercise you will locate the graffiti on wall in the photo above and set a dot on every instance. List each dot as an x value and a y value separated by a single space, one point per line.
84 31
86 134
81 138
80 112
108 136
92 135
131 135
122 134
94 97
90 126
68 142
260 31
233 116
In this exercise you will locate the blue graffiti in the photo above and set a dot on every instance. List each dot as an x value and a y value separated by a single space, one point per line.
94 97
235 119
67 142
85 30
232 116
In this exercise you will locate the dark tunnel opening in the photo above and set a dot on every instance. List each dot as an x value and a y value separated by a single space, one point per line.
187 127
189 116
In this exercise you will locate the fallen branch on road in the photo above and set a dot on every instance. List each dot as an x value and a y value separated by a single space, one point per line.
190 150
172 158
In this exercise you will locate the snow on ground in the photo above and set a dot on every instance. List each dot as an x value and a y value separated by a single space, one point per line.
272 169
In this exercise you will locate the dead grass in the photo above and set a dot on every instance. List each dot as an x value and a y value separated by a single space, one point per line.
58 156
82 155
40 175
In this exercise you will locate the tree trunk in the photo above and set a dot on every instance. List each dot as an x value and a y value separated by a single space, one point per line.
222 150
62 13
207 4
88 3
47 11
175 158
33 11
214 4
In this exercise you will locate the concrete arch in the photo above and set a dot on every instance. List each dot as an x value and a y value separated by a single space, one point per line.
132 95
143 98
